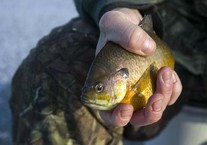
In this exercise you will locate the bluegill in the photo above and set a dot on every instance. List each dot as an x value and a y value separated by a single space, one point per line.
119 76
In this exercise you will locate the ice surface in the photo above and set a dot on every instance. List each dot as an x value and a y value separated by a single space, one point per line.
22 24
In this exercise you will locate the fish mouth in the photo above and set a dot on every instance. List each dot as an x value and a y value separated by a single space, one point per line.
93 104
85 100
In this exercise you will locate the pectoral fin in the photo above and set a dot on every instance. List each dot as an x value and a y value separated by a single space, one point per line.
147 82
139 93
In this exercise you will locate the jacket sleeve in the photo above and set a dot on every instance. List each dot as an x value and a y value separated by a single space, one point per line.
94 9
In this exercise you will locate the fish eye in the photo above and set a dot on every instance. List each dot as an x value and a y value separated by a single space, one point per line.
99 87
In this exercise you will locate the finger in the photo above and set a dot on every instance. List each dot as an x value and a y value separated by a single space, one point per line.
165 84
120 116
177 88
129 35
151 113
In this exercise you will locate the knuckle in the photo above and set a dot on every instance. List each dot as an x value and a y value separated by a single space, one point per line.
136 38
167 89
103 22
117 121
154 118
106 20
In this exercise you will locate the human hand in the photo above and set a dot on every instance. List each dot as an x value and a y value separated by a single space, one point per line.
121 26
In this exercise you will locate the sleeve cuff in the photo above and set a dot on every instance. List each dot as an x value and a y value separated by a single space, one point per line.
107 5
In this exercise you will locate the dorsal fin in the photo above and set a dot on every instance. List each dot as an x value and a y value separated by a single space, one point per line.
146 23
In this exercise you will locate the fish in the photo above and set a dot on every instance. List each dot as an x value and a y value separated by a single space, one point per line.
117 76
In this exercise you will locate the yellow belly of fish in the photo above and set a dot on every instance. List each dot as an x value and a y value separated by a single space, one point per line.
138 101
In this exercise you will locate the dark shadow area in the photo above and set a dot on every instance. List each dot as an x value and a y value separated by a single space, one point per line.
5 115
204 143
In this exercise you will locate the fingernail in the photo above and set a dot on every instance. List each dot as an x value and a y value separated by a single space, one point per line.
126 114
148 46
174 77
166 77
157 106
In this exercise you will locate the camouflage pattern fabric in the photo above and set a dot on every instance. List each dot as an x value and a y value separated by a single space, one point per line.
185 24
46 88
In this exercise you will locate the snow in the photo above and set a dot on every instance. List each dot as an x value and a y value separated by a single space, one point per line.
23 23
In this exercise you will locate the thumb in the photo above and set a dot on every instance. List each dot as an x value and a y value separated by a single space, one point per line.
116 26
